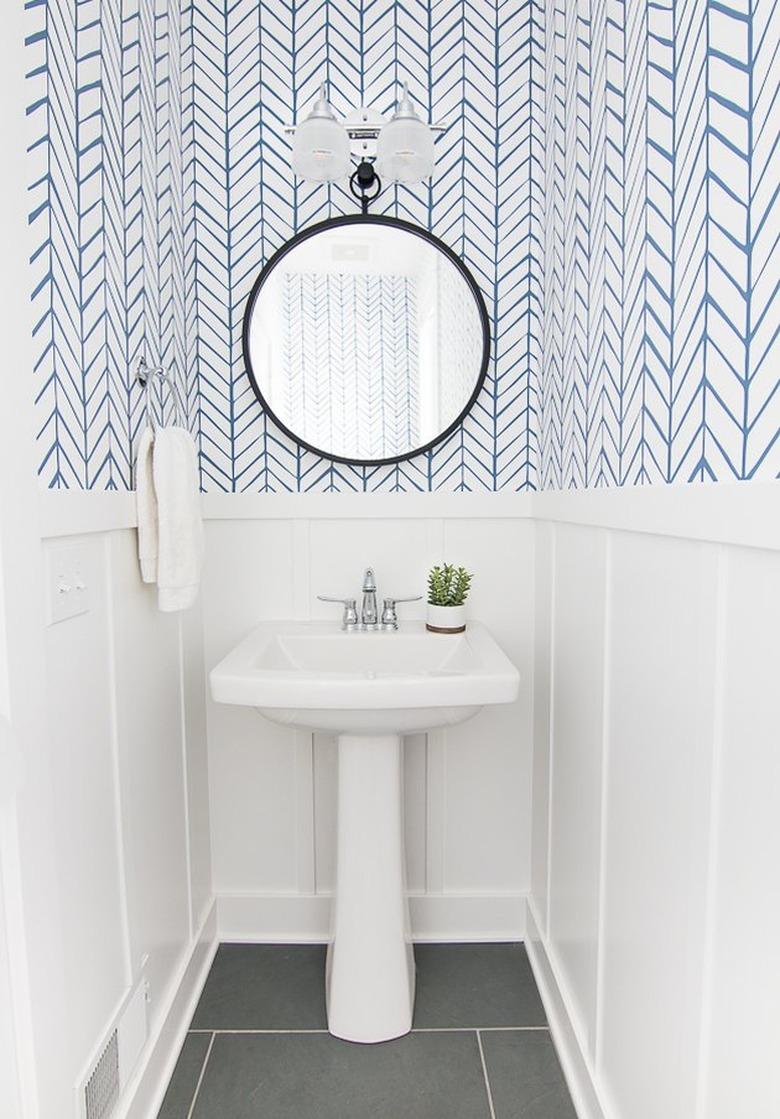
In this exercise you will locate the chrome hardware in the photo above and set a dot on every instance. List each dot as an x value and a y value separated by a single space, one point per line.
369 616
155 381
389 615
349 619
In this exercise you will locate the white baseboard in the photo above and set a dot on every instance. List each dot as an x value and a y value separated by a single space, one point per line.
302 919
477 917
147 1087
580 1076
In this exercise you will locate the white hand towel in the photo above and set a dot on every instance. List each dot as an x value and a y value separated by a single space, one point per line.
146 507
180 531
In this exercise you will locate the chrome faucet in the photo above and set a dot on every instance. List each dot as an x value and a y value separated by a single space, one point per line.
368 611
369 614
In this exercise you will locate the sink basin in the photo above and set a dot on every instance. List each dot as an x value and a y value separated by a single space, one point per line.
308 675
370 688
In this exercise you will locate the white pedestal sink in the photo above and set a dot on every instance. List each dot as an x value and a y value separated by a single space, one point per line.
369 688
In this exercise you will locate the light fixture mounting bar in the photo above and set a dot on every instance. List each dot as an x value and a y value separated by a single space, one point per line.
366 132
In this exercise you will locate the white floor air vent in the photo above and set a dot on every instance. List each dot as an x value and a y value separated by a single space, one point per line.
102 1089
108 1075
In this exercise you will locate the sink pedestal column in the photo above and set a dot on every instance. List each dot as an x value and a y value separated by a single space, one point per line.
370 969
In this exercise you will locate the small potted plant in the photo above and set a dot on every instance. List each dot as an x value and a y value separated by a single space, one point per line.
448 589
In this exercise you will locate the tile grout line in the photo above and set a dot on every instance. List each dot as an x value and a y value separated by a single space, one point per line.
281 1032
478 1029
200 1078
485 1075
416 1030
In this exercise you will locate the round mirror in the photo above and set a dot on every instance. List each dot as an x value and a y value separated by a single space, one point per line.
366 339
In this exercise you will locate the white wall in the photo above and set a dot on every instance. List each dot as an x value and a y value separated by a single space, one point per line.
104 865
655 910
124 760
273 790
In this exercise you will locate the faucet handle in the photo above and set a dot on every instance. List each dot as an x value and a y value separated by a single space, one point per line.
389 615
349 617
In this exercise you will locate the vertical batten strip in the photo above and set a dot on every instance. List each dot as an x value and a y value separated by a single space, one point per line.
720 692
551 752
109 545
601 947
192 918
304 805
436 811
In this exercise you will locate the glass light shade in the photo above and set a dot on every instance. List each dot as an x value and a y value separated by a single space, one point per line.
321 145
320 150
404 150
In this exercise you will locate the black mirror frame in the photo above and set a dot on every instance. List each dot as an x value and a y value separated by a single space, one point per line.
396 223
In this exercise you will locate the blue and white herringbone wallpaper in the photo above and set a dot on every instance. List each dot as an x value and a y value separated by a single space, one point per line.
250 68
609 172
362 323
660 357
106 213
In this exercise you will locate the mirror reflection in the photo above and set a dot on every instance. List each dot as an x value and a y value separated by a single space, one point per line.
365 340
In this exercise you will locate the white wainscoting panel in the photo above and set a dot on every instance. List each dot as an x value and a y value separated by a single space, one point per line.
195 750
660 726
151 768
740 1072
656 657
576 764
324 810
252 763
9 1074
415 804
399 551
78 697
125 701
273 791
252 782
487 793
544 571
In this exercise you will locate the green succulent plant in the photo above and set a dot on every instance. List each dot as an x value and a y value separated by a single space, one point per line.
448 585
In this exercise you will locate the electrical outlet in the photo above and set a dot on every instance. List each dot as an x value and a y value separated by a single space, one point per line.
68 582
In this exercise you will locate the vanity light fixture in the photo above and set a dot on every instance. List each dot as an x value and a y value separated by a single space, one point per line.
401 150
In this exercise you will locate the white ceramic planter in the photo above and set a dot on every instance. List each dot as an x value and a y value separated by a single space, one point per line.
446 619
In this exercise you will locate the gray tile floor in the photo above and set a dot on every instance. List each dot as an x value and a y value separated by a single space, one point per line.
258 1046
